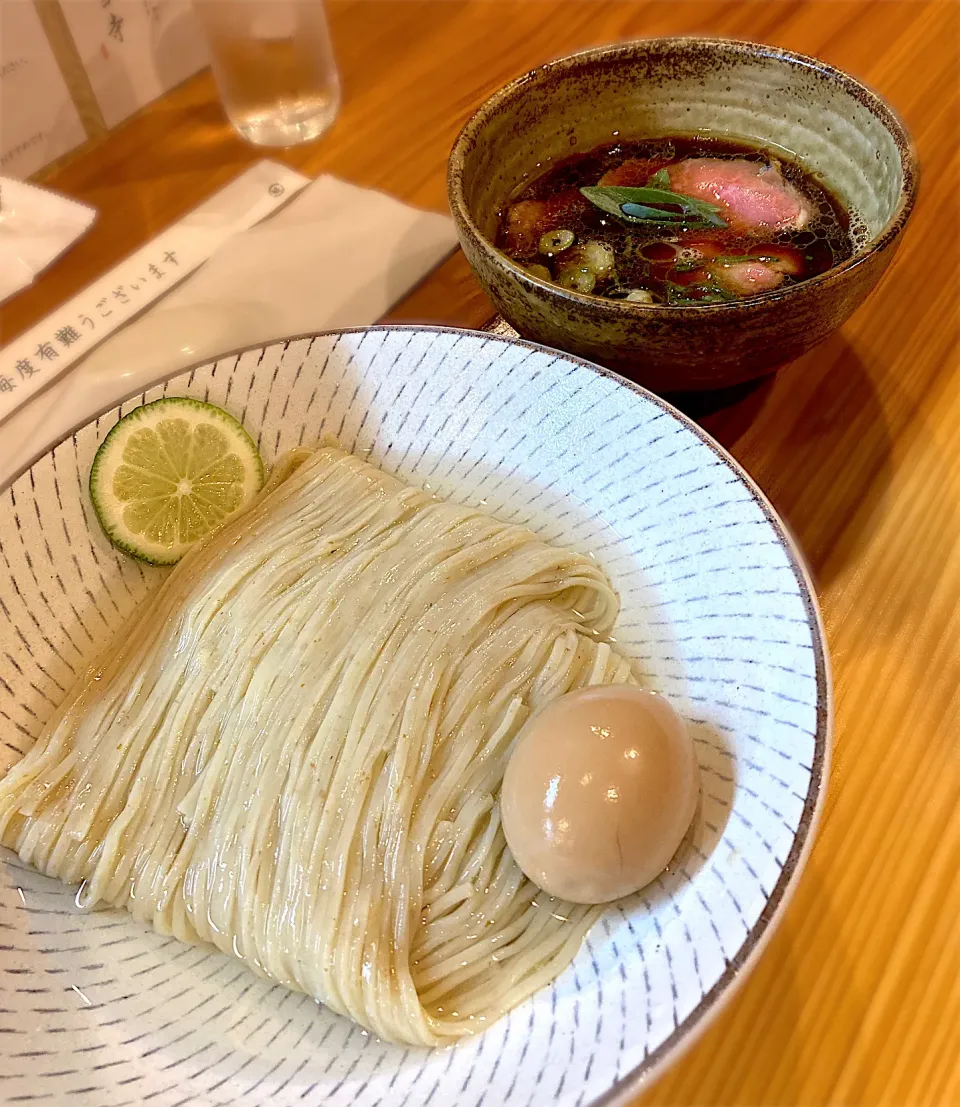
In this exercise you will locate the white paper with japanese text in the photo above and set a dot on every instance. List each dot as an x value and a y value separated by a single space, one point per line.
134 50
38 119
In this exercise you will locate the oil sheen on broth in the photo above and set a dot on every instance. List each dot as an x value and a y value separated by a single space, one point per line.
676 220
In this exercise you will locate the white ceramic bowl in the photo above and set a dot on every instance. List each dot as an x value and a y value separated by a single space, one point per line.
717 611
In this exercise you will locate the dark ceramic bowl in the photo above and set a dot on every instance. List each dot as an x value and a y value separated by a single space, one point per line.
837 129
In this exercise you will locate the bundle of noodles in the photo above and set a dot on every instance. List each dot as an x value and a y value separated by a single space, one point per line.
295 751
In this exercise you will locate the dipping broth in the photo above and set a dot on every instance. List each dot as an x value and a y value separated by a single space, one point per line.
676 220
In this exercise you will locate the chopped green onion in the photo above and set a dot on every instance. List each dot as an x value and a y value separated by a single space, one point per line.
709 294
555 242
580 279
539 271
598 257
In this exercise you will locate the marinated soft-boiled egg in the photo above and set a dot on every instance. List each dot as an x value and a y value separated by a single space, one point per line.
599 792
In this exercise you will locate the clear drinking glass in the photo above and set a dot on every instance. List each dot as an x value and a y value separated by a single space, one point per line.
274 67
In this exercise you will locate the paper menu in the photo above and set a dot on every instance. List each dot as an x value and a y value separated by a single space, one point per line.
38 119
134 50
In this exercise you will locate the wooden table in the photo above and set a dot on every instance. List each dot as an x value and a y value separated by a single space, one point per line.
856 999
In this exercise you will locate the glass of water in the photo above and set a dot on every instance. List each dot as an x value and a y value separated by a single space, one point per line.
274 67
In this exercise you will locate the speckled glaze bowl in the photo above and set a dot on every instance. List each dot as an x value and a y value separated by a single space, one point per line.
838 130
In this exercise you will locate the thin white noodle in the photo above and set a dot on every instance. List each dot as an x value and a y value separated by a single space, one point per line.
294 752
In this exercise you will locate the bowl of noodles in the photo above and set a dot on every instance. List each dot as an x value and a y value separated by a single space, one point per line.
250 803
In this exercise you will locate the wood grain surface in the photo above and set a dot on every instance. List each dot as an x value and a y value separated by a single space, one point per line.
855 1000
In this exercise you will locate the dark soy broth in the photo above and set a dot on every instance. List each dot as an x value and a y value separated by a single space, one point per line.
728 221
